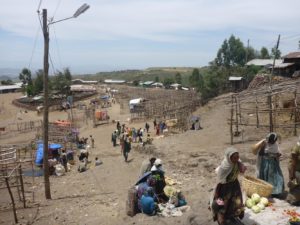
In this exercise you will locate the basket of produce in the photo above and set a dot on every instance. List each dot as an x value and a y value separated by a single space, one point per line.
253 185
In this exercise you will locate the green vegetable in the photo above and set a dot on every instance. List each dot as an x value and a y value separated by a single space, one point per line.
250 203
256 209
256 198
261 206
264 201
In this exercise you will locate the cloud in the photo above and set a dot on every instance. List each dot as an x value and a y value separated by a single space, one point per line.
166 28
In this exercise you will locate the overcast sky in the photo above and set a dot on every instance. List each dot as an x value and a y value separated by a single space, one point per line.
136 34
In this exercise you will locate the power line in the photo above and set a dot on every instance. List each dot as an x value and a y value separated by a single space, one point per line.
58 50
57 6
34 46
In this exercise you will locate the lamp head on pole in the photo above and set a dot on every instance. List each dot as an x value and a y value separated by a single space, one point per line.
81 10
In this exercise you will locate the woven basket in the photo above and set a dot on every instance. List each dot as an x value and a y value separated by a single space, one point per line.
253 185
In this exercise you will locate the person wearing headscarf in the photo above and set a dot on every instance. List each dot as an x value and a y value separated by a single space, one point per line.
227 201
293 196
268 166
157 178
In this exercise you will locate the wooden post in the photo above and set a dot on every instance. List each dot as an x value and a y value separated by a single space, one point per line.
256 111
231 122
270 112
12 199
46 106
295 113
22 186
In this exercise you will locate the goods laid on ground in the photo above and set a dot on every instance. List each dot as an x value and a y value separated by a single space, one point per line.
101 115
257 203
277 212
253 185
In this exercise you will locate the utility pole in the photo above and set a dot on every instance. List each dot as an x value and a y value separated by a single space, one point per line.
270 87
247 51
79 11
46 106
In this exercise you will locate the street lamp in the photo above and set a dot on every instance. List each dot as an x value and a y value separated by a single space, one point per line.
79 11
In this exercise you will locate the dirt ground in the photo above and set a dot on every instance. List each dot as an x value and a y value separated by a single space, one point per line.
98 195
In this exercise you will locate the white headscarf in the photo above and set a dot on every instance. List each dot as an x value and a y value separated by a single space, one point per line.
226 166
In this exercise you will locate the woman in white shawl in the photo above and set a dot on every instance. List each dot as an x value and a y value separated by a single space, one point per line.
227 202
268 166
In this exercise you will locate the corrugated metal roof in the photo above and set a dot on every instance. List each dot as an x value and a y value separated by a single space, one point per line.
110 81
148 82
235 78
292 55
283 65
9 87
263 62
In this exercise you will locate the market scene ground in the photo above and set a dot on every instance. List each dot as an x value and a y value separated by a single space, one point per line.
99 195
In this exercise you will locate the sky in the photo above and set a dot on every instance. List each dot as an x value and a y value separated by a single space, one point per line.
138 34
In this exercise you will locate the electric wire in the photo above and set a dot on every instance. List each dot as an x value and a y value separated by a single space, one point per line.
57 46
57 6
34 47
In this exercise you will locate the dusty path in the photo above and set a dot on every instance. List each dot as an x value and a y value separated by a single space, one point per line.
98 195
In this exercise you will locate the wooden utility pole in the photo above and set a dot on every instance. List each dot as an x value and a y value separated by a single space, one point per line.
46 106
270 87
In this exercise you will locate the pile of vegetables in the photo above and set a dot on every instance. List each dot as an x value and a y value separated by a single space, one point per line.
257 203
294 216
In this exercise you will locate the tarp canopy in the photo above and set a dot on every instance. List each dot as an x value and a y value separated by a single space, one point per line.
40 152
135 101
105 97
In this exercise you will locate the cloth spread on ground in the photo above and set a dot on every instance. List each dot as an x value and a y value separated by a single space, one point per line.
168 210
274 215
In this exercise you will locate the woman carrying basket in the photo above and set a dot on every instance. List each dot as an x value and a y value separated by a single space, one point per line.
267 166
227 201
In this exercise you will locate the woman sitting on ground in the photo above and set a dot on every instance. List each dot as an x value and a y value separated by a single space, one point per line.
227 200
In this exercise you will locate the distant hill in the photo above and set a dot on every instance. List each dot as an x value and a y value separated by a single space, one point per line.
9 72
142 75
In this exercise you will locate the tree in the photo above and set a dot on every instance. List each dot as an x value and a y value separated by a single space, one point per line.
25 76
136 83
264 53
252 54
168 81
156 79
67 74
7 82
231 53
62 81
275 53
197 80
178 78
39 81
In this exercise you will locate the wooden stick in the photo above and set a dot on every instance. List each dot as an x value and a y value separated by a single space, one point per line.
12 200
22 186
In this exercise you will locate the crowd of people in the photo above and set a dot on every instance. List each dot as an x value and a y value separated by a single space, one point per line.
125 136
226 202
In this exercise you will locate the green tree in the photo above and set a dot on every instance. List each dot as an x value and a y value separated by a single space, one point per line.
196 80
136 83
275 53
178 78
252 53
39 82
156 79
67 74
231 53
168 81
25 76
264 53
7 82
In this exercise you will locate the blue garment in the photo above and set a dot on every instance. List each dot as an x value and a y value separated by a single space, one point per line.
147 205
270 172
